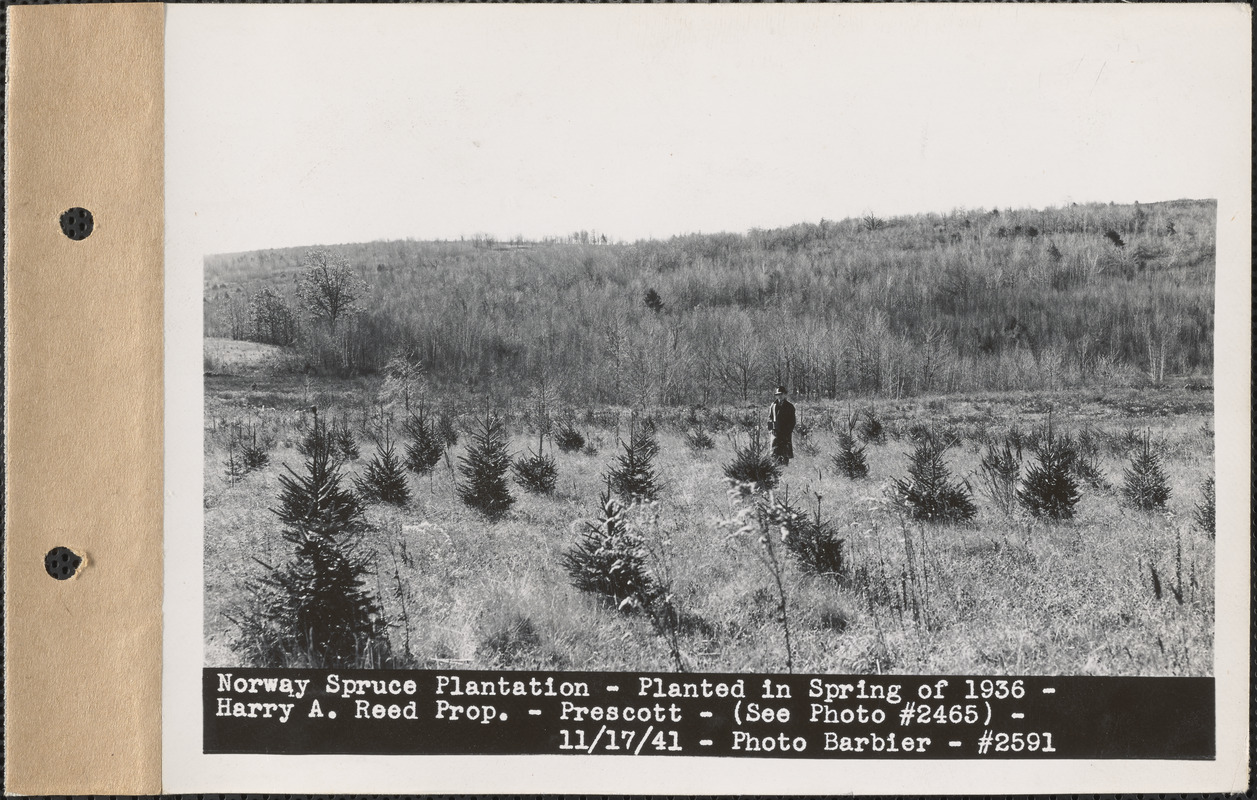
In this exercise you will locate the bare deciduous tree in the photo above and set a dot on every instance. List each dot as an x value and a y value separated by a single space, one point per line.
330 288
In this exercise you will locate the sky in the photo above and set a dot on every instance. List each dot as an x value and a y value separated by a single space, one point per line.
322 124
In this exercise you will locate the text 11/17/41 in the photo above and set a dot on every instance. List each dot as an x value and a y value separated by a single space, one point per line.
423 712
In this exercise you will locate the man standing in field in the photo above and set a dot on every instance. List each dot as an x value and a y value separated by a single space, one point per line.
781 423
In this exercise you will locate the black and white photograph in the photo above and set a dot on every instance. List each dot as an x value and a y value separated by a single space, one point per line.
794 341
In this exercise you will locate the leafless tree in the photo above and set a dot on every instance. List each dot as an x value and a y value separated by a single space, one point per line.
330 287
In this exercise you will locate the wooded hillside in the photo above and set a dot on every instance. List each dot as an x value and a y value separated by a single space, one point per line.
971 300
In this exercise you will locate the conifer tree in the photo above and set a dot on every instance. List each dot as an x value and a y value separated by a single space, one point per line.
254 453
928 494
316 501
1050 489
319 436
314 610
384 479
1146 486
568 438
647 435
633 475
752 464
850 459
536 472
609 560
345 442
812 541
425 448
235 469
484 469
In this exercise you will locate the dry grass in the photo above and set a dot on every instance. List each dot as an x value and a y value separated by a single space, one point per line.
1006 594
238 358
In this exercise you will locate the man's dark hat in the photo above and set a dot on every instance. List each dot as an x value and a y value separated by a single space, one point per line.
781 390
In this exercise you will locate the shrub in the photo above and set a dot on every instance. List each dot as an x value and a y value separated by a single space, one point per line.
245 455
569 439
609 559
945 436
384 478
699 439
850 459
633 475
1000 471
871 430
752 464
928 494
1204 512
1087 469
510 635
314 610
255 455
1087 459
537 473
484 468
425 448
757 523
1019 440
803 442
1050 490
1146 486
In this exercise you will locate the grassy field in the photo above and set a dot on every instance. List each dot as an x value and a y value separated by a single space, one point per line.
1005 594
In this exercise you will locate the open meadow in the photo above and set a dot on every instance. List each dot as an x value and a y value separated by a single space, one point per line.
550 454
1114 591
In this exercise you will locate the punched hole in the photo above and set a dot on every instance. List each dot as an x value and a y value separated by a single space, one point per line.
62 562
77 223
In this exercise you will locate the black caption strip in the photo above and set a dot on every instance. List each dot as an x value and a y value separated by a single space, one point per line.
421 712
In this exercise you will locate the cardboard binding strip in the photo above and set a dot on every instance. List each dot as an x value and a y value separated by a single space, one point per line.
84 399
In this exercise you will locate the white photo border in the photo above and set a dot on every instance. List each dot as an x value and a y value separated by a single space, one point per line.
187 770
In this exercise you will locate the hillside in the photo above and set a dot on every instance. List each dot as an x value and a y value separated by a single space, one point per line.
1092 295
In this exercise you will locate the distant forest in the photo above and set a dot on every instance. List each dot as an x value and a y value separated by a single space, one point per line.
1088 295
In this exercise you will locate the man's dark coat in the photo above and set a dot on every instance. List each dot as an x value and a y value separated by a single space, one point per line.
781 421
